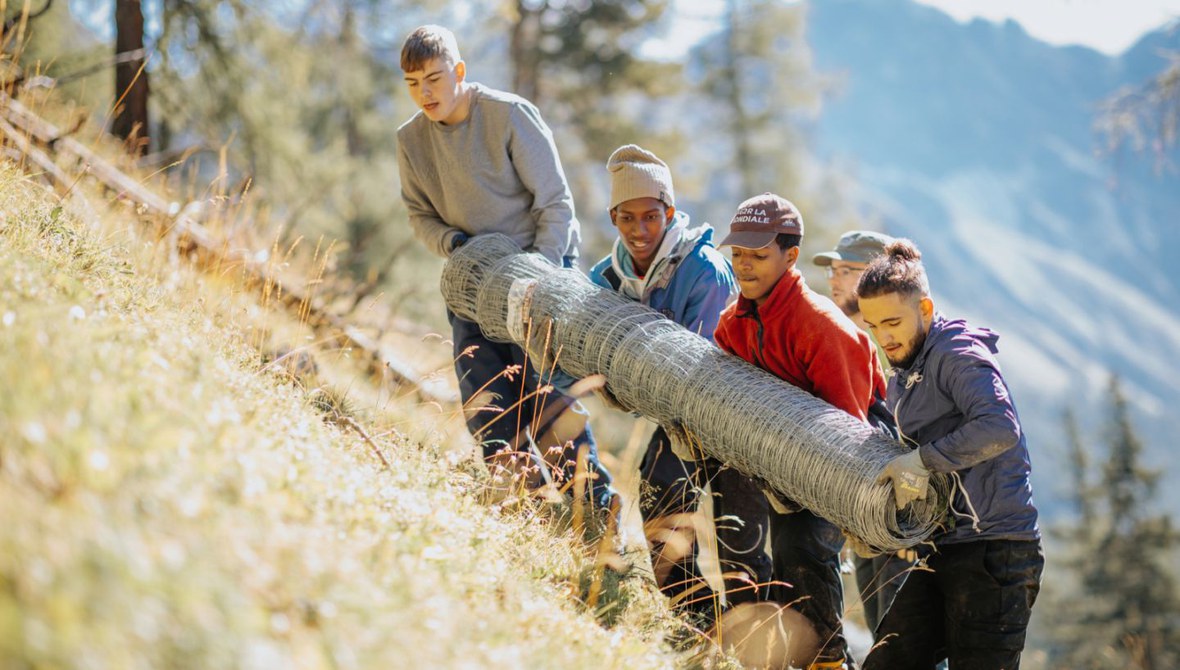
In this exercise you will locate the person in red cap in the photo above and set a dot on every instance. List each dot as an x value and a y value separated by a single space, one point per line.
780 325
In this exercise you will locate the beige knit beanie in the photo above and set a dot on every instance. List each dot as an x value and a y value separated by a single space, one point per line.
637 173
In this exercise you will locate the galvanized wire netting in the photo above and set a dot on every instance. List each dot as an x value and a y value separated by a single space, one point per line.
797 444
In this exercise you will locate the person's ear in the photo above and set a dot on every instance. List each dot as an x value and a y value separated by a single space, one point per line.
669 212
793 252
926 306
460 71
613 214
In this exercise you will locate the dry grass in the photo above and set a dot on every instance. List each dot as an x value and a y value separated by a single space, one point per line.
170 501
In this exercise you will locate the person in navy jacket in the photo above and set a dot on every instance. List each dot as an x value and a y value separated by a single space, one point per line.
971 602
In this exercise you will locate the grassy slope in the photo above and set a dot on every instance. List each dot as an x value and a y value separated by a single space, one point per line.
168 503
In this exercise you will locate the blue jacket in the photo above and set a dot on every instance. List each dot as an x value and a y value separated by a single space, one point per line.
953 404
690 285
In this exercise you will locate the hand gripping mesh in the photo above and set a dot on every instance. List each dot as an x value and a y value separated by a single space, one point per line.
795 443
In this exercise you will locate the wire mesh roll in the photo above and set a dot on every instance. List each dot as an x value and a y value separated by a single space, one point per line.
798 445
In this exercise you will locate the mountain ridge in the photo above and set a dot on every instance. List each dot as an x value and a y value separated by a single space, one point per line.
978 141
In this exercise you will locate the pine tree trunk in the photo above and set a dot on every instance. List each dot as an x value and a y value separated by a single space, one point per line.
131 78
525 51
739 120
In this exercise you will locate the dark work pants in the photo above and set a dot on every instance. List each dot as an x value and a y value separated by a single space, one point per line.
806 555
671 488
509 405
878 580
971 607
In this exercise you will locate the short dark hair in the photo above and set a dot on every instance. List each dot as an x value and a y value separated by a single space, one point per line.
898 270
787 240
427 43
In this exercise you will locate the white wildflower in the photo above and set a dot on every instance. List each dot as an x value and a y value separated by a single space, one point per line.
34 432
99 460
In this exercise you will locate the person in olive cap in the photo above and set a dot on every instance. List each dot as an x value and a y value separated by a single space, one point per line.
846 263
663 261
780 325
878 577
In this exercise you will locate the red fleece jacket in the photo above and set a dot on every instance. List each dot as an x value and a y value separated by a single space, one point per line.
803 338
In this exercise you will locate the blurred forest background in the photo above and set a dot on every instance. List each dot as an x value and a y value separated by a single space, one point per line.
293 105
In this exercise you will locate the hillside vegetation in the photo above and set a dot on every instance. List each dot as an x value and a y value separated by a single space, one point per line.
171 501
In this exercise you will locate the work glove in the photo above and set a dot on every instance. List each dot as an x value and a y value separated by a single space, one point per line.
860 548
781 505
909 477
683 446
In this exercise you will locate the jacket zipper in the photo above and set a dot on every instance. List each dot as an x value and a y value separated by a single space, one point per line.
758 348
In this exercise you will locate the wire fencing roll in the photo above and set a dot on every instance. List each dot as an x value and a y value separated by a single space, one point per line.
798 445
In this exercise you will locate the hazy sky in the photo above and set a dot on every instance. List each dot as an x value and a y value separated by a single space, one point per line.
1109 26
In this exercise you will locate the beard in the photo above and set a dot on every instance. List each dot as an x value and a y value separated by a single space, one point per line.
849 306
911 352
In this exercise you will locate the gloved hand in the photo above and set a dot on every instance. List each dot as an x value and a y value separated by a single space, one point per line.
860 548
909 477
683 446
781 505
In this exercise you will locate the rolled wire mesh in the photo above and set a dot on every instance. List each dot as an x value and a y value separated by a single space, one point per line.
798 445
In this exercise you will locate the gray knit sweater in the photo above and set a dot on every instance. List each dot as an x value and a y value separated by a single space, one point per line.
497 171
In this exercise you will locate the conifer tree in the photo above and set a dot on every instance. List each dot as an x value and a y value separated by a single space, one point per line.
580 63
759 70
1147 117
1126 612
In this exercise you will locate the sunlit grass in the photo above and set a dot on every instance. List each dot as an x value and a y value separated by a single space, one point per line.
170 501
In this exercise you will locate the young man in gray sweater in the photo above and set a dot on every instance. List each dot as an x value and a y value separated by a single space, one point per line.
475 160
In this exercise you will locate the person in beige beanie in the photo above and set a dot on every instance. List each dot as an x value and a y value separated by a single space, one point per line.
643 201
659 259
636 172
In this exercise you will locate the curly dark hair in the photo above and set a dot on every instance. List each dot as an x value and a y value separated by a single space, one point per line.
898 270
787 240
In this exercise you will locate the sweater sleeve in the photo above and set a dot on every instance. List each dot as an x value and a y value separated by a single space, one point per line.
989 426
534 155
428 226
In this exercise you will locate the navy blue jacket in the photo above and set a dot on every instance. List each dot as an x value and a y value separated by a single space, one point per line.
953 404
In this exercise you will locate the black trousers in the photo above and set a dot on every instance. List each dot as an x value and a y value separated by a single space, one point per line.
878 579
500 407
671 491
806 554
971 606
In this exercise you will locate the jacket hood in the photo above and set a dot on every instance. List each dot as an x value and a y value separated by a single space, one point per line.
954 335
680 240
